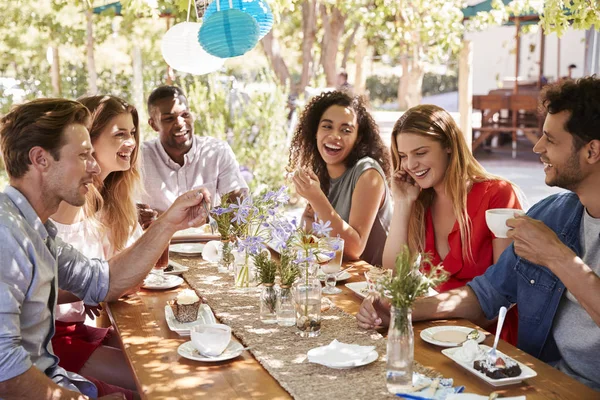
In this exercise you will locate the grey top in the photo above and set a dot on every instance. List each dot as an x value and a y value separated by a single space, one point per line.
34 264
576 334
340 197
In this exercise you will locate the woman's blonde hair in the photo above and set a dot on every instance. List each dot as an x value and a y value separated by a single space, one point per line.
463 170
111 202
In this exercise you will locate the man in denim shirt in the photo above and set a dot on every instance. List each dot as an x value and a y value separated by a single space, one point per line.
48 155
552 270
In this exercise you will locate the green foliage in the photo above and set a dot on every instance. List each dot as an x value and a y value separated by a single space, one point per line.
254 124
266 268
288 270
384 89
414 276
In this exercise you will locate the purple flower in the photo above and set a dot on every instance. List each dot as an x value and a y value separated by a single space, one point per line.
251 244
321 228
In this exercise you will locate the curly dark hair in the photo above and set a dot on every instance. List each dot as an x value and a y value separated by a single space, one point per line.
304 151
582 99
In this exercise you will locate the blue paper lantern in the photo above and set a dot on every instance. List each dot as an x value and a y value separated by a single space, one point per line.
228 33
259 9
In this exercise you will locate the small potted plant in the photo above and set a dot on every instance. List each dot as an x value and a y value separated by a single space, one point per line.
265 271
414 275
288 273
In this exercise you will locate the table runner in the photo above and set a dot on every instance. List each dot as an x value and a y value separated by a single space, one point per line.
283 353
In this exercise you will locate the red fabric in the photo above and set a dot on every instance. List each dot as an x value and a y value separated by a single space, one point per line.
482 196
74 343
105 389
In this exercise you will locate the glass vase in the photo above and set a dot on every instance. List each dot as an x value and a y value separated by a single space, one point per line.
268 304
244 271
307 300
400 351
286 314
226 261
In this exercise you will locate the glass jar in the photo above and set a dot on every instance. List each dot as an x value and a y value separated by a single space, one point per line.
286 314
268 304
400 351
244 272
307 300
226 260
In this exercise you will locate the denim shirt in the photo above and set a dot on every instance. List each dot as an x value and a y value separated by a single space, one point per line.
33 264
534 288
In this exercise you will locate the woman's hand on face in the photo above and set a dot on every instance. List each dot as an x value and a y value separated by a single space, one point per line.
307 184
404 187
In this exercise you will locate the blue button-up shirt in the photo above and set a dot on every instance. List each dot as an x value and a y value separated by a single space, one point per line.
34 263
534 288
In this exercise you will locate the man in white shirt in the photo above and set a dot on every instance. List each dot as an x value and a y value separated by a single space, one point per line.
178 161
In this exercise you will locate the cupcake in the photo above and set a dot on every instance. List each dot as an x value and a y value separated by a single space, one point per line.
185 306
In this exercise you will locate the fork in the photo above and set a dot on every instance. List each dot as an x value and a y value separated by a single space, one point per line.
211 221
492 355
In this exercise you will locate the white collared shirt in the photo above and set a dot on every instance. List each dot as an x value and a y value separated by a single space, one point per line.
210 163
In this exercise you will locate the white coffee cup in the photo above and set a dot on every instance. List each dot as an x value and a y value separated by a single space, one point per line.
210 339
496 220
212 251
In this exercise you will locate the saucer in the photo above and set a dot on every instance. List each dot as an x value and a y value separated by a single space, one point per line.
429 335
187 350
187 249
344 275
153 281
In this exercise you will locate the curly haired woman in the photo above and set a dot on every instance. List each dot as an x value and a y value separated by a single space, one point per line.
341 166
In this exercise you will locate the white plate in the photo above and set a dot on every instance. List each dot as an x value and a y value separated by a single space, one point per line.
202 233
427 335
177 268
341 277
188 249
205 316
169 281
360 288
188 350
372 356
526 372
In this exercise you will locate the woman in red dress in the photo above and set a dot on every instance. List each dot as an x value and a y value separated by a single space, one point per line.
440 196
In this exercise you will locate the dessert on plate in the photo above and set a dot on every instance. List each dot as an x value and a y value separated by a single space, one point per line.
185 306
502 368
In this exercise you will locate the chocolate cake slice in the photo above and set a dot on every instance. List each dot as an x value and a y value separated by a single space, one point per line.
500 369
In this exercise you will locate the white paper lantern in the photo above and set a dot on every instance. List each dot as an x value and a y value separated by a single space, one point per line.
181 50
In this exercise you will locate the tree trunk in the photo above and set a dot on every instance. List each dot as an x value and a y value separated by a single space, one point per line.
138 87
411 84
403 84
348 45
271 48
360 76
91 62
55 72
333 25
309 32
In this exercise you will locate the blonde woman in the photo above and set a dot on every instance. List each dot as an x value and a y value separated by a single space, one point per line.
105 225
440 196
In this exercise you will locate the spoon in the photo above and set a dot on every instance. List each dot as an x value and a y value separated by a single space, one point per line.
492 355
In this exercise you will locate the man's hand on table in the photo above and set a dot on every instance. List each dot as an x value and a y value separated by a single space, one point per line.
372 313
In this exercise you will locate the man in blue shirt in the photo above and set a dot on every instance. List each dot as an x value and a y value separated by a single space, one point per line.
552 270
49 158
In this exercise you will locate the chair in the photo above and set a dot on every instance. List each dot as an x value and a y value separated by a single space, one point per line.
526 117
492 122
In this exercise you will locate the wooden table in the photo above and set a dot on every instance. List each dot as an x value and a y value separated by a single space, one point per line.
151 349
